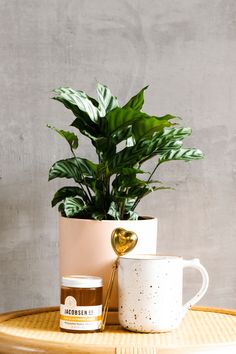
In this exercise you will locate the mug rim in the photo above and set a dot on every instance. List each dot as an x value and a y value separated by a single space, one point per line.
151 257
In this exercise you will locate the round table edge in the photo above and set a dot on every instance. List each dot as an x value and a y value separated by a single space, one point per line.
17 345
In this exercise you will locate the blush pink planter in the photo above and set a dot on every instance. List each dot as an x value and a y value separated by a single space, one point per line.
85 246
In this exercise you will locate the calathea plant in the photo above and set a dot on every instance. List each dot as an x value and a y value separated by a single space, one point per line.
124 138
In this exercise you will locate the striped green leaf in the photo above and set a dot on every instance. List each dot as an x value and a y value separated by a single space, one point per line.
106 100
65 192
75 168
70 137
172 133
82 122
73 206
79 99
182 154
128 209
137 101
148 147
73 108
163 141
124 139
113 211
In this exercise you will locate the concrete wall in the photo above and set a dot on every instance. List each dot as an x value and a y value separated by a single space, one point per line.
186 51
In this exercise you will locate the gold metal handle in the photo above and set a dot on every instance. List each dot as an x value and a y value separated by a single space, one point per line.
108 295
122 242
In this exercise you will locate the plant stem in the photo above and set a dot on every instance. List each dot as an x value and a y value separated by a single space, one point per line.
123 204
88 194
148 180
158 164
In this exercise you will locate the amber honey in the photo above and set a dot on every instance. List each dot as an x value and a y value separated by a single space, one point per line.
81 303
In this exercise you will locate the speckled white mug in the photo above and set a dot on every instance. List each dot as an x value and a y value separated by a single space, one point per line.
150 291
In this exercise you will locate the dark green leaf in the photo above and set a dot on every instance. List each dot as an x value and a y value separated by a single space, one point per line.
65 192
131 215
121 134
105 147
98 216
61 209
125 181
127 171
146 126
85 128
121 118
94 102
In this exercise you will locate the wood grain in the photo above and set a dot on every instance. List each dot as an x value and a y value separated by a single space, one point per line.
10 344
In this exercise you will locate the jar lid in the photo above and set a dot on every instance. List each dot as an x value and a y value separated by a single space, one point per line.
81 281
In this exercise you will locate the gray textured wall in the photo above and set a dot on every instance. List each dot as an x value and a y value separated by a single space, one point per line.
186 51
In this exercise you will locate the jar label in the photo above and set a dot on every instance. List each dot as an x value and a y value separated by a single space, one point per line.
80 318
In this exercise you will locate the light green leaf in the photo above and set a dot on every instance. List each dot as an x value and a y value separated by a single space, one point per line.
113 211
70 137
73 206
136 102
106 100
78 98
130 141
168 117
146 126
182 154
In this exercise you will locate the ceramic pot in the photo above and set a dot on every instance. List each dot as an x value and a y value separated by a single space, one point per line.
85 246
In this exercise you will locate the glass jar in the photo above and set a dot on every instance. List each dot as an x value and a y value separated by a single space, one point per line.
81 303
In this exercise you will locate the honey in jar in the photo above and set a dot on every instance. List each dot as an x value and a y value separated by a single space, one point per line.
81 303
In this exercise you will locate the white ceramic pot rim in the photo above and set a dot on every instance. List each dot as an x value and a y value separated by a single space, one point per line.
144 219
153 257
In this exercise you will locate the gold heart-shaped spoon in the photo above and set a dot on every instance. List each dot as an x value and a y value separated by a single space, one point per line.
122 242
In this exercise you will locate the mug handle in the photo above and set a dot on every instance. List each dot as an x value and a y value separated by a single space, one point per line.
195 263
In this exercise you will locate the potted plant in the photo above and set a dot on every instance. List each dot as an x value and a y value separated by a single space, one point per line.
108 190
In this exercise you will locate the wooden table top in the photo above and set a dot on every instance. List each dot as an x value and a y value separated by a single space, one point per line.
203 330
